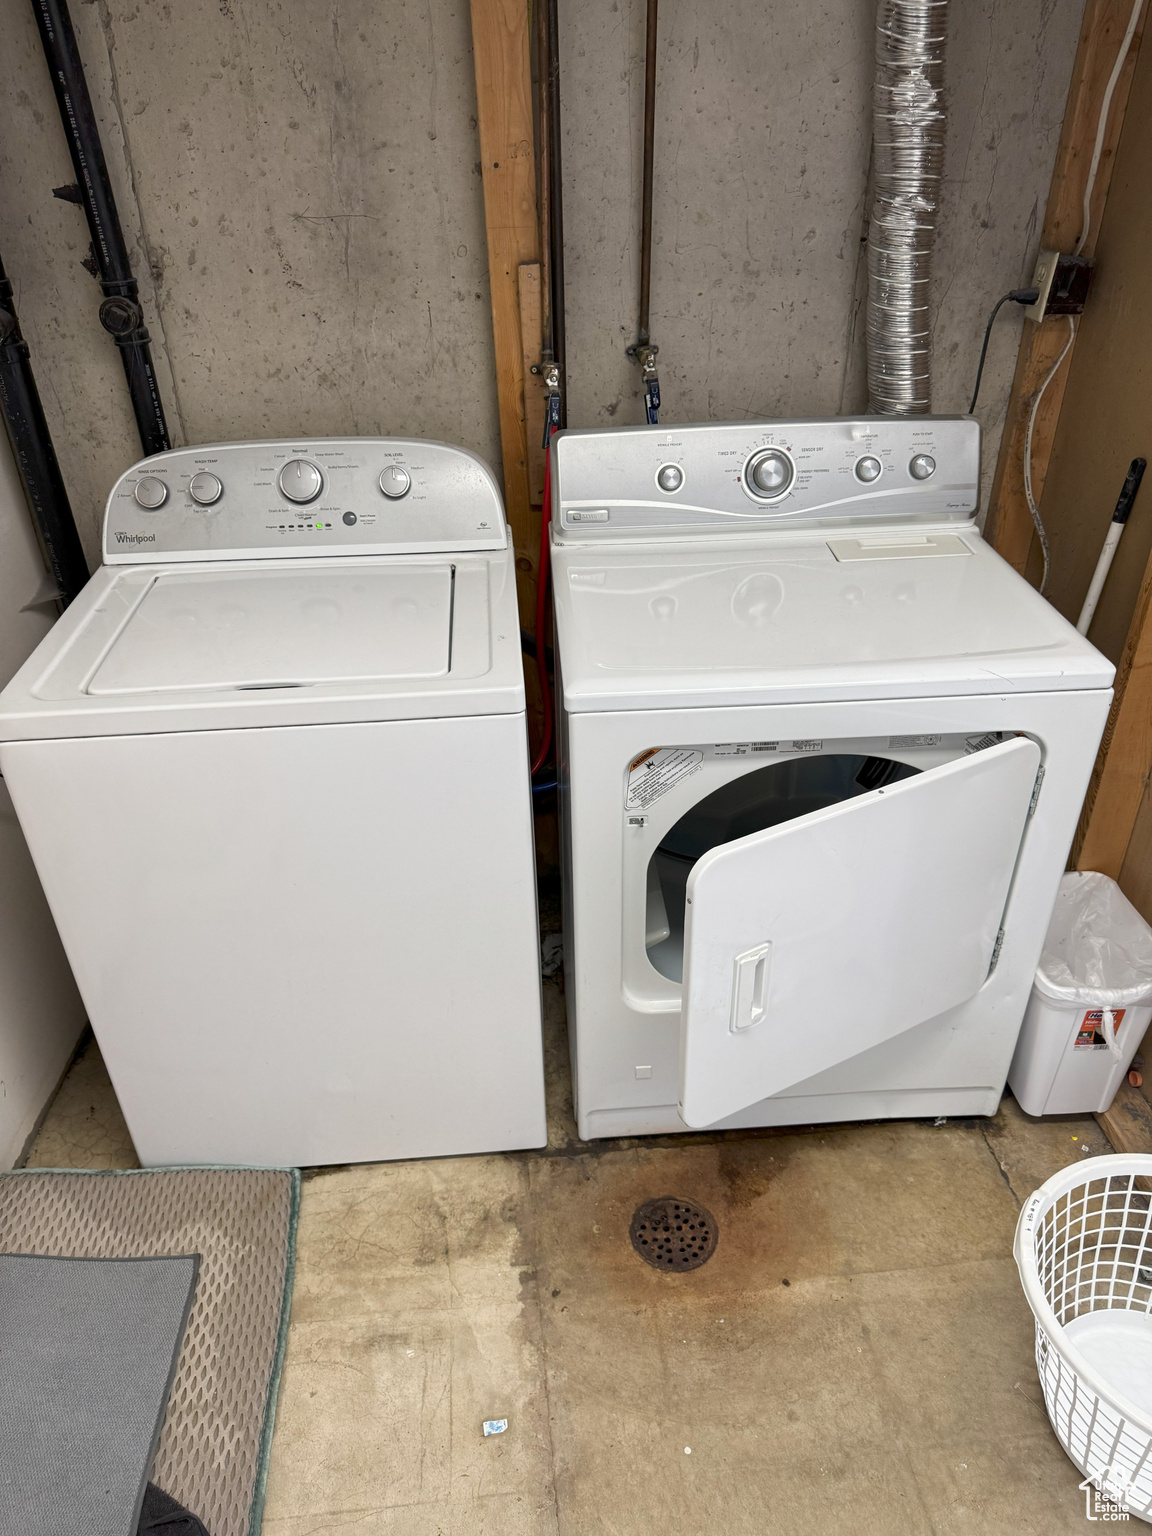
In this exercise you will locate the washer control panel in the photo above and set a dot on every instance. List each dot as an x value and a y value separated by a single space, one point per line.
327 496
866 469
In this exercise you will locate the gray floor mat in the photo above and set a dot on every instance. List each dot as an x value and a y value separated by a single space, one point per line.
213 1451
88 1349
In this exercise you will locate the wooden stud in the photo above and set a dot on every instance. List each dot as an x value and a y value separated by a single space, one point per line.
535 402
1127 1122
1122 764
1009 527
502 59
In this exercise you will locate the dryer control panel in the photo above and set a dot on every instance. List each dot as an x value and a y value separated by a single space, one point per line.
303 497
762 475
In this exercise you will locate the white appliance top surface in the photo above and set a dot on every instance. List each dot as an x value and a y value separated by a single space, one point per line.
767 562
288 626
690 623
318 581
302 497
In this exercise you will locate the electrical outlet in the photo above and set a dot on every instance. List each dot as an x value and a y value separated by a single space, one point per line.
1063 283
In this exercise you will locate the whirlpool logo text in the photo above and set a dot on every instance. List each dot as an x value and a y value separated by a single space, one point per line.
135 538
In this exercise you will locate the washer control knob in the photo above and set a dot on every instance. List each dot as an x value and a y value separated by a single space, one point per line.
669 477
151 493
395 482
868 469
770 472
300 481
205 489
922 466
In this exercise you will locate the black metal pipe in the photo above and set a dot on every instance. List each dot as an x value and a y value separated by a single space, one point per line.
120 312
642 338
543 179
35 456
555 201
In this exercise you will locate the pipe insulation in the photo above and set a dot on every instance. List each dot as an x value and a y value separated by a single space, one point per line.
908 123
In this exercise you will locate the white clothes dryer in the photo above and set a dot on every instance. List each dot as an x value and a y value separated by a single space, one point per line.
822 757
272 767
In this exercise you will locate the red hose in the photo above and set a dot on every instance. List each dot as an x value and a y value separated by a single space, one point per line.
542 571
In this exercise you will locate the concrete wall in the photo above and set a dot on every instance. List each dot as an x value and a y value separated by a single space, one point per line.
301 188
762 158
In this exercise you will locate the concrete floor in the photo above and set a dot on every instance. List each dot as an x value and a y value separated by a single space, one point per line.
856 1356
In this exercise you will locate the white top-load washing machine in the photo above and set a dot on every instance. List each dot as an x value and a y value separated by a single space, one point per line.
822 756
272 768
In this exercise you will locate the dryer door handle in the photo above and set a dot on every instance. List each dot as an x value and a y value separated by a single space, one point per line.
750 987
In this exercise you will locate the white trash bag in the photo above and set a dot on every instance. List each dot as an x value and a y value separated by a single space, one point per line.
1099 949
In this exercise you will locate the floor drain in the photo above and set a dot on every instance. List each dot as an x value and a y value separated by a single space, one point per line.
673 1234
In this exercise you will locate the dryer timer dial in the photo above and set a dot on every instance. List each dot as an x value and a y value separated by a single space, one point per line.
769 473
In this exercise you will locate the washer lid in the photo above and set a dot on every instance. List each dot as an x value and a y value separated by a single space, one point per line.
280 628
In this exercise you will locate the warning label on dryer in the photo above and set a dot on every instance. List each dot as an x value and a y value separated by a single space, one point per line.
656 771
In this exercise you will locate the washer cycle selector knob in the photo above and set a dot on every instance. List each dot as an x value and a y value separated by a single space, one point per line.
769 472
300 481
395 482
868 469
669 477
205 489
922 466
151 493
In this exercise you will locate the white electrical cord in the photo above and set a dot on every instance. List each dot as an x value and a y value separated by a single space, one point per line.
1102 125
1038 524
1086 225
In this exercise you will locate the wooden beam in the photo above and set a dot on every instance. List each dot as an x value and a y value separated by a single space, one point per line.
1127 1123
502 59
1009 527
1122 764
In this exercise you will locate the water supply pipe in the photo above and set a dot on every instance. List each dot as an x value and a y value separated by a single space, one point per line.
908 122
120 312
554 348
35 456
554 229
643 351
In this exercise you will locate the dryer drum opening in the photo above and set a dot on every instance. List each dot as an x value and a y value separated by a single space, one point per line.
755 801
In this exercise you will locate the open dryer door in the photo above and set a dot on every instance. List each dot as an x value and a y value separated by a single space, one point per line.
817 939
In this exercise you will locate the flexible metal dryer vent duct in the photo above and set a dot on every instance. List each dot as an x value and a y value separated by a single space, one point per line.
908 122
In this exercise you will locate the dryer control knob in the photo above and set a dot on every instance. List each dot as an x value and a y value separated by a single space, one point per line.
300 481
769 472
205 489
922 466
669 477
151 493
868 469
395 482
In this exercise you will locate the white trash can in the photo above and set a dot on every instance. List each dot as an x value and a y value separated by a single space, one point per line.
1091 1001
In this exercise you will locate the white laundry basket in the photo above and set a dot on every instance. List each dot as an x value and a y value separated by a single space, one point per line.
1084 1250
